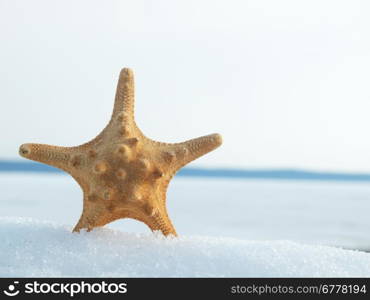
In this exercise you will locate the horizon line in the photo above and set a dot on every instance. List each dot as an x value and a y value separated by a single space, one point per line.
246 173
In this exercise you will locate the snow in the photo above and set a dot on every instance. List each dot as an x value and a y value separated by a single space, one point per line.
240 228
43 249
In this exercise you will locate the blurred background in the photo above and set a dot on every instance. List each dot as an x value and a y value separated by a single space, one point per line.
285 83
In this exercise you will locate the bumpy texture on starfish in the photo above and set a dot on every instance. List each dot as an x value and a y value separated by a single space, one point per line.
122 173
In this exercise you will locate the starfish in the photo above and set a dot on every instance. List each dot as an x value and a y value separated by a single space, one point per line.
122 173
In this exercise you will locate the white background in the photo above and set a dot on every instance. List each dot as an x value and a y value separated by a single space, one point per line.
285 82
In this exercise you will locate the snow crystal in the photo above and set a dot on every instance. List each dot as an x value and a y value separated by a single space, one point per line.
42 249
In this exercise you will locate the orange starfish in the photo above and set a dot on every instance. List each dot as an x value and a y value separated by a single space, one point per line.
123 174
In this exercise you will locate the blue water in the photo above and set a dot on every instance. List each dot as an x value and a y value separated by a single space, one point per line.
279 174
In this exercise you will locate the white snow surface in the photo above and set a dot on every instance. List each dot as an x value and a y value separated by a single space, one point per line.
242 228
36 248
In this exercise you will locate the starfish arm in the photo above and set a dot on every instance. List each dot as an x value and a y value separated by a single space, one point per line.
88 220
180 154
84 223
94 214
159 220
51 155
125 96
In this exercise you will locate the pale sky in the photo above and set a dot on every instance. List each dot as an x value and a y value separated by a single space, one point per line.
285 82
